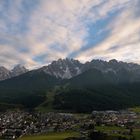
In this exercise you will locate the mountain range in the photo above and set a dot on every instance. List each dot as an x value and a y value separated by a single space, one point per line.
68 68
72 85
16 71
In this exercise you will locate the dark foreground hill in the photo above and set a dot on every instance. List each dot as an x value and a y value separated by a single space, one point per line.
28 89
94 90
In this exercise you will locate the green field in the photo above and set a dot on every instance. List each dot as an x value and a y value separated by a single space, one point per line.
109 129
137 134
135 109
63 135
47 105
51 136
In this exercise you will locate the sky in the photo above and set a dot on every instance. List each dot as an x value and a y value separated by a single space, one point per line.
35 32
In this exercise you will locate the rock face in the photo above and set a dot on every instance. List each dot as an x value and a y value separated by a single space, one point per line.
63 68
68 68
16 71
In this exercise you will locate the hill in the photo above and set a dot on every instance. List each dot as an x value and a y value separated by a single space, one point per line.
94 90
27 89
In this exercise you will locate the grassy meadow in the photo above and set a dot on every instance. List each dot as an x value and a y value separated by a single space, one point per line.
51 136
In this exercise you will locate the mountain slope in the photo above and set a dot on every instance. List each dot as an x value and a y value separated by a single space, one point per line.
95 85
95 90
31 85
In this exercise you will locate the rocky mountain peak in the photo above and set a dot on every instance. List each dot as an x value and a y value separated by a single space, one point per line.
113 61
18 70
4 73
63 68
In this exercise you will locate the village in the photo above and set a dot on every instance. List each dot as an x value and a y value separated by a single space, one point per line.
15 124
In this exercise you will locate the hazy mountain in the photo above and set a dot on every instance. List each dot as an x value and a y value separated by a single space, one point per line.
117 67
16 71
4 73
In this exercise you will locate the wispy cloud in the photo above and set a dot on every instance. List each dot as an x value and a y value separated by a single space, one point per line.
123 43
35 32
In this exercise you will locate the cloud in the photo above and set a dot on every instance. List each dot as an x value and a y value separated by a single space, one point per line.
66 23
123 41
35 32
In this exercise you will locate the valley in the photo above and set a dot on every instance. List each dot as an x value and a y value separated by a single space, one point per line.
100 102
69 69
